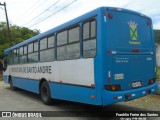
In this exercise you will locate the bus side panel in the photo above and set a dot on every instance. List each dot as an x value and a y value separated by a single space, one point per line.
77 72
26 84
73 93
99 72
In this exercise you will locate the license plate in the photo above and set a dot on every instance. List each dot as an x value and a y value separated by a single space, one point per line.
136 84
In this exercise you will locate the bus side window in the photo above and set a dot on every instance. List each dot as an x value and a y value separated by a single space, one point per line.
30 48
73 47
62 45
89 39
20 54
15 55
23 54
68 44
33 52
10 58
43 43
47 54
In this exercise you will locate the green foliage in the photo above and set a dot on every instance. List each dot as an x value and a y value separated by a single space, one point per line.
157 36
158 73
1 79
18 34
3 47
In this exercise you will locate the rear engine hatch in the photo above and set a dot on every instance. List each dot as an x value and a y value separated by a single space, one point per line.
132 71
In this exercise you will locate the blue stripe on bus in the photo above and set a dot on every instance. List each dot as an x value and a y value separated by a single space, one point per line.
74 93
26 84
82 94
60 91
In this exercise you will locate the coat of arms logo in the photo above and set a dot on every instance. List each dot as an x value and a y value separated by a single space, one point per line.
133 30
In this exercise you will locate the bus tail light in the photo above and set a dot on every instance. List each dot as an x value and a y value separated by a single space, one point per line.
117 9
110 16
117 98
148 22
113 87
151 81
135 50
153 53
111 52
127 96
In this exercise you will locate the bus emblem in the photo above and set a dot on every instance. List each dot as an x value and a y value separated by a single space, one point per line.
133 32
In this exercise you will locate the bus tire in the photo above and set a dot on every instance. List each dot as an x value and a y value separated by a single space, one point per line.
45 93
11 84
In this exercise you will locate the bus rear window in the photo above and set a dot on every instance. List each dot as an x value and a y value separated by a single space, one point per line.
127 31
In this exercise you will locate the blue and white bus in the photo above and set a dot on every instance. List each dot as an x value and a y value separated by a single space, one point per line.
100 58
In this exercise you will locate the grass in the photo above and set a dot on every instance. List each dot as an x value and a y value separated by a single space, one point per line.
1 78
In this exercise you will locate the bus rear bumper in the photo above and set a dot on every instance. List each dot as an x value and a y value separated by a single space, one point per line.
110 97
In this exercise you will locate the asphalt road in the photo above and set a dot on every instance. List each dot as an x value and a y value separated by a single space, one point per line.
21 100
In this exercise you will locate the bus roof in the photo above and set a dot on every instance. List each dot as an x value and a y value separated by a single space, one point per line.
69 23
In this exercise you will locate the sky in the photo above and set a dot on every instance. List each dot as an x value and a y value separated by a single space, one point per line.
46 14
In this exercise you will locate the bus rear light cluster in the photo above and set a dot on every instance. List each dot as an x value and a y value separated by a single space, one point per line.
110 16
147 92
113 87
152 90
111 52
148 22
151 81
117 98
153 52
135 50
144 92
127 96
117 9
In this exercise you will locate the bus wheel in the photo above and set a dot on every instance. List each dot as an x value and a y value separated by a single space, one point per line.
45 93
11 84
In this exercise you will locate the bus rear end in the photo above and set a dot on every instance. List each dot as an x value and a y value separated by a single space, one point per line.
129 58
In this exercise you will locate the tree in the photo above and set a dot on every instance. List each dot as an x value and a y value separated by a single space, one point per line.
18 35
157 36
